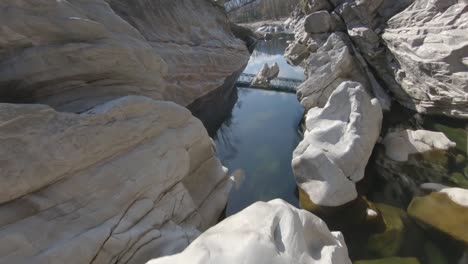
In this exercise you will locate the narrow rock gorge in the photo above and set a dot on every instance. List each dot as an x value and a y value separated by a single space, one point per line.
95 167
159 131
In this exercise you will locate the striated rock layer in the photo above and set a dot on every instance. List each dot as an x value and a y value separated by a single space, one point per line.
266 233
76 55
412 50
429 41
124 182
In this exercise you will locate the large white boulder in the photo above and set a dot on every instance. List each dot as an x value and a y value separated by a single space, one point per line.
429 41
399 145
73 55
337 144
124 182
266 233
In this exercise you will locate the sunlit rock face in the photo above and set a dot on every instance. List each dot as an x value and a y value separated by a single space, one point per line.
415 50
124 182
337 144
445 209
266 233
76 55
94 169
430 44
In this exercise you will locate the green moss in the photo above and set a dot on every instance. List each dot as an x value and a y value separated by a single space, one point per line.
389 242
389 261
459 179
460 160
457 135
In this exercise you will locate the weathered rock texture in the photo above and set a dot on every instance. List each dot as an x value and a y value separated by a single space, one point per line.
417 54
337 144
266 233
429 41
76 55
124 182
326 69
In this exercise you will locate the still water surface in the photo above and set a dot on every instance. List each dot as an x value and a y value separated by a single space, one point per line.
261 135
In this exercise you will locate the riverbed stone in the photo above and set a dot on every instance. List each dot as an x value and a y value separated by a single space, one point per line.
445 210
337 144
264 233
409 158
399 145
389 242
123 182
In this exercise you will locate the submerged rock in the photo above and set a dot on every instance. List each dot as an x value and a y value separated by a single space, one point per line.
124 182
266 233
399 237
399 145
266 75
445 210
337 144
408 158
429 42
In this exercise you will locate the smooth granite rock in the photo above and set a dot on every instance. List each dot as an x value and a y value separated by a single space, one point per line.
399 145
430 44
266 233
337 144
74 55
124 182
319 22
445 210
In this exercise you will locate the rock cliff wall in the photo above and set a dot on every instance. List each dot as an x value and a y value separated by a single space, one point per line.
76 55
96 165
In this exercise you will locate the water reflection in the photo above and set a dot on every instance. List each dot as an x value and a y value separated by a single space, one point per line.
260 138
270 52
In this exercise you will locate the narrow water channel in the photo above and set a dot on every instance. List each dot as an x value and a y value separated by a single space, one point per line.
261 134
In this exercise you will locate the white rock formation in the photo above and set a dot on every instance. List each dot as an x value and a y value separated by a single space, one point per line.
73 55
124 182
457 195
266 233
327 68
266 75
399 145
337 145
430 42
